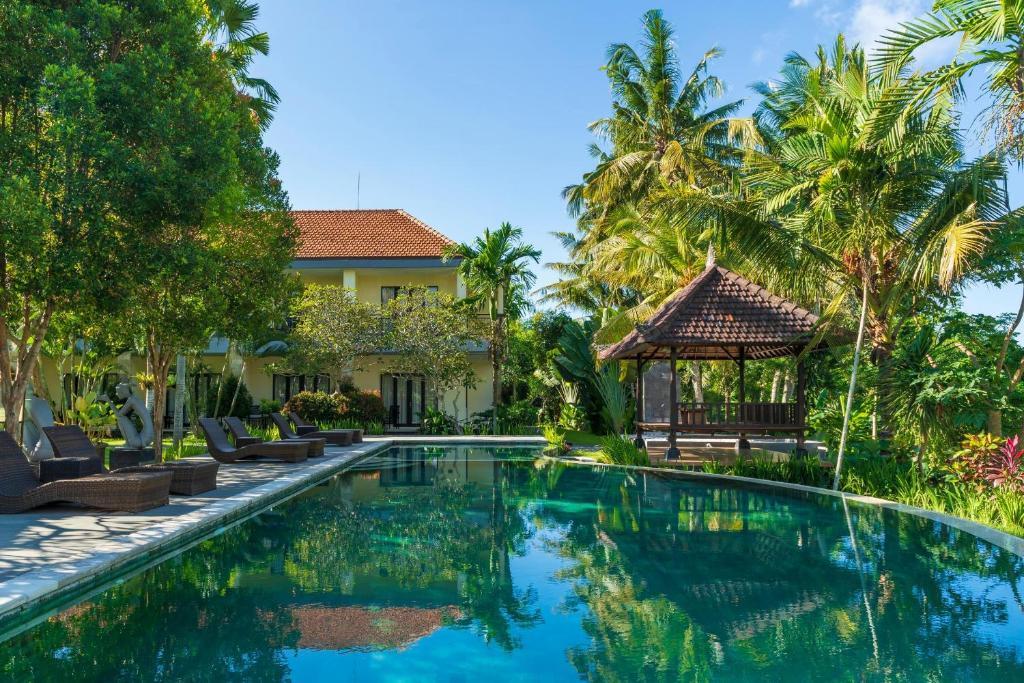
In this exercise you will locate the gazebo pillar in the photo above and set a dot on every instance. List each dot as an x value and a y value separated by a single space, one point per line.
673 406
742 362
639 440
742 444
801 403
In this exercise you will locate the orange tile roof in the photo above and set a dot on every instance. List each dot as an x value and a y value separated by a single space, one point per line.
366 233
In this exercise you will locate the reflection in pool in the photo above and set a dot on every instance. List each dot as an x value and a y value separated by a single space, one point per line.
452 564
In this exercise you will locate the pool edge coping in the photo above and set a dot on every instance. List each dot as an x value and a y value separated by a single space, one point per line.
1001 539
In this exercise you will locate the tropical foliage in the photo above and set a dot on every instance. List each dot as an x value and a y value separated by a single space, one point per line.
134 168
849 191
495 267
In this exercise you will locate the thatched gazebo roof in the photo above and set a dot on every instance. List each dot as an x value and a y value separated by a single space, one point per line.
719 316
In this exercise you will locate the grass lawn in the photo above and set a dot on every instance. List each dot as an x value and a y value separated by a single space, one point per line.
190 446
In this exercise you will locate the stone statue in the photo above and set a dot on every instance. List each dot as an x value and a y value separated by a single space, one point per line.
131 410
38 414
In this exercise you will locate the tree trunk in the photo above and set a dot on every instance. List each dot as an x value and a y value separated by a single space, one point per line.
776 378
220 382
160 361
697 379
787 386
15 372
853 383
159 409
497 346
149 379
238 388
994 422
995 416
179 402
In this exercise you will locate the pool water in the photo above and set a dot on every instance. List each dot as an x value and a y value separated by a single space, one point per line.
468 564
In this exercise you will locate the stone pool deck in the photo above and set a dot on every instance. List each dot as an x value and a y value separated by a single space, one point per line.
57 548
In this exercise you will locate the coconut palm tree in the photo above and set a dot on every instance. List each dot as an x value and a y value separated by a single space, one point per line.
660 129
231 29
991 39
578 286
493 266
823 199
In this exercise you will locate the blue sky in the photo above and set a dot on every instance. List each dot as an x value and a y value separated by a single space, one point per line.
467 114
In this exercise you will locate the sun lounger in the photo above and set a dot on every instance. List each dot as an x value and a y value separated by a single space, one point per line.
20 490
242 437
188 477
303 428
223 451
335 437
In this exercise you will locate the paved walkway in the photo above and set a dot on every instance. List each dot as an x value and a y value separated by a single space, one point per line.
56 546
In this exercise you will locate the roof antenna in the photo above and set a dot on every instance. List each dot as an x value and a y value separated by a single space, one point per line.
711 255
359 182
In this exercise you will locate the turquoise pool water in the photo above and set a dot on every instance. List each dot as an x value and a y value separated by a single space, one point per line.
470 564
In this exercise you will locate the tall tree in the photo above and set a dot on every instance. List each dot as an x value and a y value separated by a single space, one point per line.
429 335
991 40
660 129
885 221
494 267
332 330
90 96
221 269
231 27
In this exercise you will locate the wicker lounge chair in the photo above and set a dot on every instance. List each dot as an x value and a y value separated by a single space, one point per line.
223 451
20 490
188 477
335 437
303 428
242 437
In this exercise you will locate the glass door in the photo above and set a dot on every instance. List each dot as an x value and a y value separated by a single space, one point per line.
403 397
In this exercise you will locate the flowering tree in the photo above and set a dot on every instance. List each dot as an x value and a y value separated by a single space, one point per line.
332 330
429 334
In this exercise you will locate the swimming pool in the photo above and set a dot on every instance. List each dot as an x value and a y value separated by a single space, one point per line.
445 563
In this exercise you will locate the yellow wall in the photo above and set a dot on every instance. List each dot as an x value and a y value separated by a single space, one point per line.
368 282
368 378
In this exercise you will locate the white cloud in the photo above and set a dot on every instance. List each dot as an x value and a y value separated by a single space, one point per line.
865 21
828 12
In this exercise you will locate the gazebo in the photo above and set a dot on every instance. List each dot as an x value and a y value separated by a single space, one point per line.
722 316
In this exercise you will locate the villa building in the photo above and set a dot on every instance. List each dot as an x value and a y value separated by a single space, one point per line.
376 253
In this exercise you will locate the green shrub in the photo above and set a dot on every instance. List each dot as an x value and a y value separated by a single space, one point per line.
520 413
269 405
621 450
243 404
316 406
555 438
437 423
614 399
572 418
366 406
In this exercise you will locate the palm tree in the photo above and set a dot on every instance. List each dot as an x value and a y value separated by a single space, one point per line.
231 29
991 38
824 200
578 286
494 266
660 129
